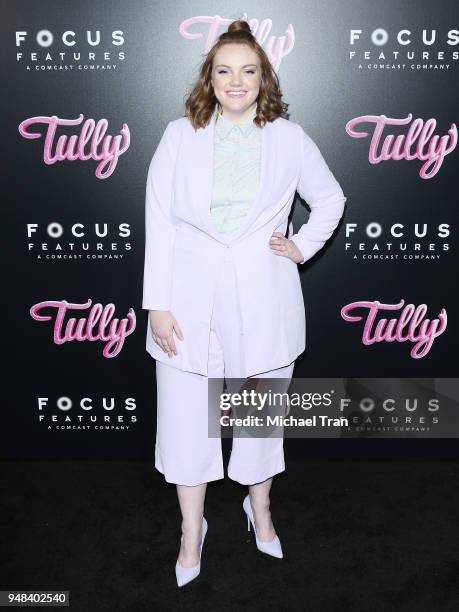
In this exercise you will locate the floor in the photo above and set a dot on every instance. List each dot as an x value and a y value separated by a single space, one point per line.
357 536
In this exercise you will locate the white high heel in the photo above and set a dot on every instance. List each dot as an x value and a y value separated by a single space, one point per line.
272 548
187 574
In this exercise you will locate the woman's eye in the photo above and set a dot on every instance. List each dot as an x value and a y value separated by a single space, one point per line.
247 71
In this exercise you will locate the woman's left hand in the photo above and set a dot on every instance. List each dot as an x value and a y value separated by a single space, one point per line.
285 247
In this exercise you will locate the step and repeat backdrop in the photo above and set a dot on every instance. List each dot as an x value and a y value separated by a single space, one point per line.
88 89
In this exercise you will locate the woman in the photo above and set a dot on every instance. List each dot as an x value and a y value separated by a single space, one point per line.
221 281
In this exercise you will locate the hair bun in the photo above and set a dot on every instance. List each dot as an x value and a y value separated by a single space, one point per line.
240 25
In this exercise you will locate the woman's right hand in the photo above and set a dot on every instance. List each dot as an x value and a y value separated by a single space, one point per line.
163 323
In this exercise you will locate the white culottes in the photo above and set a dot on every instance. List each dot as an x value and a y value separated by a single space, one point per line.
184 452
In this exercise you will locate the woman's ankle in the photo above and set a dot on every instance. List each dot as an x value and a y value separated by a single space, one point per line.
260 504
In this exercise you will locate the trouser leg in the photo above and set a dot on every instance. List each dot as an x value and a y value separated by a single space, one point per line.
254 459
184 452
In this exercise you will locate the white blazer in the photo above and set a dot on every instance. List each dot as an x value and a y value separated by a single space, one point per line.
184 250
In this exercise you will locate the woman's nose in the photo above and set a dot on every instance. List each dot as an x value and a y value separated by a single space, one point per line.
236 81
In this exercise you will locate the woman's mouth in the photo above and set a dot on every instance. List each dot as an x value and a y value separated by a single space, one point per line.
236 94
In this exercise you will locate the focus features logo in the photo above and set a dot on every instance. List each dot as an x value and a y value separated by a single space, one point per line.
46 51
78 241
404 49
88 413
391 414
397 241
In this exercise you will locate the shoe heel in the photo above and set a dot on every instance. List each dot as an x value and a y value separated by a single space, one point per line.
273 548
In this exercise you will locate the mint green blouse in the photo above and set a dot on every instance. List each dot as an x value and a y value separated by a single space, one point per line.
236 171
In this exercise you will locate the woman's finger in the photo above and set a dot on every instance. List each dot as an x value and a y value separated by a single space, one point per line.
171 344
278 248
178 330
162 342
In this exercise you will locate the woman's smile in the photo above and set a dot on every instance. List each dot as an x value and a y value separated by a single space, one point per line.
236 94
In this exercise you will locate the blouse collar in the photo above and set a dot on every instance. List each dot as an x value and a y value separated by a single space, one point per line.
224 126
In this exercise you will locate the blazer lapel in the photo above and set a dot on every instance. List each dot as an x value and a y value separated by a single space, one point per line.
204 178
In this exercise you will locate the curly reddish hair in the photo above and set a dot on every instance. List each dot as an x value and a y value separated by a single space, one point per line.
201 102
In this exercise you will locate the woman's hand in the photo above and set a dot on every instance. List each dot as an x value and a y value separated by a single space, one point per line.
285 247
163 323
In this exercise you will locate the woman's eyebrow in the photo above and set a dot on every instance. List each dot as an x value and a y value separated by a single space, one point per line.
226 66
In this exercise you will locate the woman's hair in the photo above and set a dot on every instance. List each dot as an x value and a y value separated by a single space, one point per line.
201 102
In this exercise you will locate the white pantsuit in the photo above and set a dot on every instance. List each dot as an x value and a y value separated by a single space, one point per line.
184 453
239 305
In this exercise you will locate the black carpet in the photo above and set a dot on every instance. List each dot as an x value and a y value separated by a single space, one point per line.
356 536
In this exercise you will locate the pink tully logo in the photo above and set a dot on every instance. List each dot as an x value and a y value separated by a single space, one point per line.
418 143
97 326
275 47
411 326
91 143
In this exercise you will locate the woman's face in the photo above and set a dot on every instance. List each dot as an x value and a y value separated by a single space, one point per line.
236 77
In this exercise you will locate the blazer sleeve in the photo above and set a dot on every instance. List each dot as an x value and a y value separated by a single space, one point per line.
159 227
319 188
